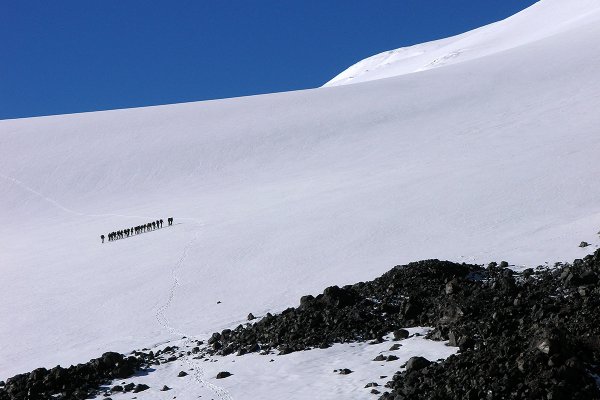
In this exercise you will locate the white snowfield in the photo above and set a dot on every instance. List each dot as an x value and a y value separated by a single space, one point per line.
277 196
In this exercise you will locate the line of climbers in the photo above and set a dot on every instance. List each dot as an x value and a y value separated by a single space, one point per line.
127 232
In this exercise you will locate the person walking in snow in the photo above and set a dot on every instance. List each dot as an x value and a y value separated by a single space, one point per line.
170 221
102 237
161 222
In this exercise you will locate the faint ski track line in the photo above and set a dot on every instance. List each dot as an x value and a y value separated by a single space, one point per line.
160 314
63 208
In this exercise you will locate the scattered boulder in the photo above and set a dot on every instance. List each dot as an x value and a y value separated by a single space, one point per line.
140 387
223 374
181 374
417 363
401 334
251 317
129 387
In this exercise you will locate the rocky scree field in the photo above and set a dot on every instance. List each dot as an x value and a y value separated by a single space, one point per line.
528 335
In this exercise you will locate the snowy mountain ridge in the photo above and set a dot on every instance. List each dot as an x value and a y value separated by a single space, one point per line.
542 20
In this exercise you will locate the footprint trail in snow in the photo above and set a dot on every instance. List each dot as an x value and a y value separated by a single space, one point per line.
161 317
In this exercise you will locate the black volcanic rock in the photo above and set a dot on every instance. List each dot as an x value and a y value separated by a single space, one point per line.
76 382
223 374
515 331
140 387
417 363
400 334
360 312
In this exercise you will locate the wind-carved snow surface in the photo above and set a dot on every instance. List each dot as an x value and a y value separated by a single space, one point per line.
541 21
281 195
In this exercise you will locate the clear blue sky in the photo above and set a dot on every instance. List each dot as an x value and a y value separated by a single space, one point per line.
65 56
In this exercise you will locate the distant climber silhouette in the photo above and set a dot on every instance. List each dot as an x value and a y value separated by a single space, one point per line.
135 230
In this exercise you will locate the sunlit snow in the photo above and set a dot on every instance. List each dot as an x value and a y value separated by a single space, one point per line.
277 196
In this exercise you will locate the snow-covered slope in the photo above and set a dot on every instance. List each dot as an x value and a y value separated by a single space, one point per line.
280 195
540 21
304 375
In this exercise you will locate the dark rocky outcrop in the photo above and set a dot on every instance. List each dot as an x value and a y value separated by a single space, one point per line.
76 382
531 335
402 297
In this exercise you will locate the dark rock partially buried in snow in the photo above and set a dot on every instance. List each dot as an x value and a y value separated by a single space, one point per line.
129 387
400 334
140 387
223 374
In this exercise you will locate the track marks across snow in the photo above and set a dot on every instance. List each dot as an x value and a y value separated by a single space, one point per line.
161 317
161 312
